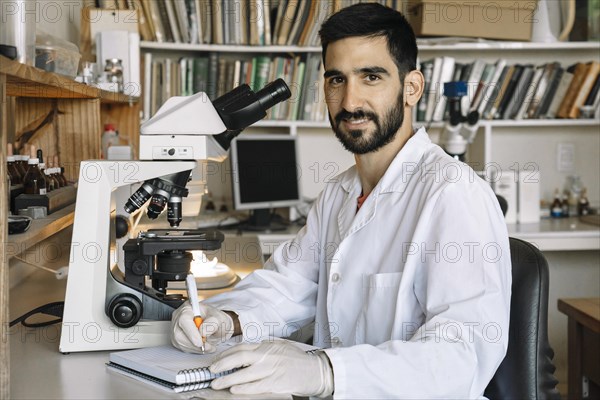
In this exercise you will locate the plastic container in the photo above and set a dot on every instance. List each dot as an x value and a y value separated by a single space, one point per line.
17 30
53 54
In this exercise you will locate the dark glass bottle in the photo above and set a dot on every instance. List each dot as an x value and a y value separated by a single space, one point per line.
15 174
60 173
565 204
50 186
34 182
556 207
583 207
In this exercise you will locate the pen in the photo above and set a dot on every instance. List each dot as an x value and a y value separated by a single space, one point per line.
190 281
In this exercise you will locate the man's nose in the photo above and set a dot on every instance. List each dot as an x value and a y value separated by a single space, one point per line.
352 98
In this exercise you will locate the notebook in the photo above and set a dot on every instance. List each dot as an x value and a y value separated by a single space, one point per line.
171 369
167 367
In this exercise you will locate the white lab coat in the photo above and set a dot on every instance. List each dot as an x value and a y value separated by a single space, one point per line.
410 294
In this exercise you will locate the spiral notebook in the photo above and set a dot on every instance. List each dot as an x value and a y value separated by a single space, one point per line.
167 367
171 369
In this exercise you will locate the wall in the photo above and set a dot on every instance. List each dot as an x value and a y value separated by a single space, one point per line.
60 18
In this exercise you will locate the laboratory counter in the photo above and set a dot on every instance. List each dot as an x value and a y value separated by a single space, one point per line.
39 371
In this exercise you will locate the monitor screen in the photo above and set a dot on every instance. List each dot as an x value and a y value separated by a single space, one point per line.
265 172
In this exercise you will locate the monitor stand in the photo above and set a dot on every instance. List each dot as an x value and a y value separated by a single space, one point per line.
260 220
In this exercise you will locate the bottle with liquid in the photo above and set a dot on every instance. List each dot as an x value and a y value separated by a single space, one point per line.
42 166
60 172
51 170
16 177
565 204
556 206
34 181
583 207
21 163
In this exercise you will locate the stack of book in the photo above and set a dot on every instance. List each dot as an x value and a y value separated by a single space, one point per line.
240 22
512 92
216 74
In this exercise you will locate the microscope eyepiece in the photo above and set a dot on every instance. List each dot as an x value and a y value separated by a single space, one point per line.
273 93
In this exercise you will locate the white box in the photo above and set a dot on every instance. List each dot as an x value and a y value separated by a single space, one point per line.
505 185
529 197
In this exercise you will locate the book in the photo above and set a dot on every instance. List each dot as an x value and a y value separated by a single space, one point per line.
540 91
561 90
171 369
427 71
579 71
491 113
433 88
491 90
520 110
593 93
521 93
445 76
554 80
585 89
509 91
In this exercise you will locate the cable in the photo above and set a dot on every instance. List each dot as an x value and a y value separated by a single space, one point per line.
55 309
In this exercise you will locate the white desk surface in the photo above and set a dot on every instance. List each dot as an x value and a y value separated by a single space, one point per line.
39 371
558 234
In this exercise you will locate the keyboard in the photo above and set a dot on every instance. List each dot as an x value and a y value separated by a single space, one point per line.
217 220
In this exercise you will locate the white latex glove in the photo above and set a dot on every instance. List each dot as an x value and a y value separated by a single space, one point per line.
273 367
216 327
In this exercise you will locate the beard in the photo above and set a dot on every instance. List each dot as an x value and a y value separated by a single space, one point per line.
359 141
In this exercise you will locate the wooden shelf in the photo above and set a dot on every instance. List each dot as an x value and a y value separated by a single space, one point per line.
226 48
27 81
40 229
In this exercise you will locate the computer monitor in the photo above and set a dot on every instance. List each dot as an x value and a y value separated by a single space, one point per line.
265 176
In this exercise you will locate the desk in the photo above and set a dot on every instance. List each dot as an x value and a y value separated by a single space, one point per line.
584 346
39 371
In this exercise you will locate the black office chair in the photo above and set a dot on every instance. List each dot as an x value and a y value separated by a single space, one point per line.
527 371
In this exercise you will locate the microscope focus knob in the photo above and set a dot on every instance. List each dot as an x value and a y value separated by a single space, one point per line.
125 310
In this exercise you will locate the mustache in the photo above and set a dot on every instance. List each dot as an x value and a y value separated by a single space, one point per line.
358 114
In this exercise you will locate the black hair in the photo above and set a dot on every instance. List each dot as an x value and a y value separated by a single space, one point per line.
374 20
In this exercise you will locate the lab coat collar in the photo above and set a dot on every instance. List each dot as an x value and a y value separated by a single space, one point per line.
402 166
394 180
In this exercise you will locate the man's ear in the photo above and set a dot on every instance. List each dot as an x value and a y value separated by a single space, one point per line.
414 84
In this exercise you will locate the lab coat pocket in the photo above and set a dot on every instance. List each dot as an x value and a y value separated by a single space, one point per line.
379 311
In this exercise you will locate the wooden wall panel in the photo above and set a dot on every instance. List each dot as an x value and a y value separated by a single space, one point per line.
4 285
35 123
127 120
79 133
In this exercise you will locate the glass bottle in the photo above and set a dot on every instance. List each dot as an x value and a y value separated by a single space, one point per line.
52 171
114 72
565 204
556 207
42 166
34 182
60 173
583 207
21 163
16 176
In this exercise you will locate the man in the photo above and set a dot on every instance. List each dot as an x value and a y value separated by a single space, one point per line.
403 264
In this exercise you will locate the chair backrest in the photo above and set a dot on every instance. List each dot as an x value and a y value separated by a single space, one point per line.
527 371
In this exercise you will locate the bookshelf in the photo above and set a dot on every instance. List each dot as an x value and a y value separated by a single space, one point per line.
493 135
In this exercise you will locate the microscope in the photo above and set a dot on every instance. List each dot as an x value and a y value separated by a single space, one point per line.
107 307
460 131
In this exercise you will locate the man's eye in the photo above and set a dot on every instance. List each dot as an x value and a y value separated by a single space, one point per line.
336 80
373 78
